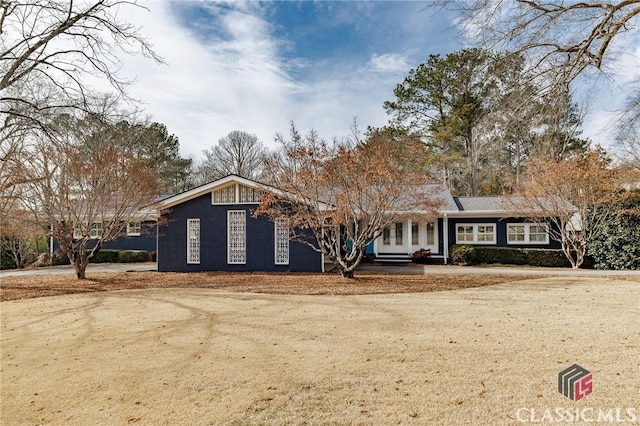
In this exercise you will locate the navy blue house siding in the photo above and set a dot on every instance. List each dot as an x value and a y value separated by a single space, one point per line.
145 241
501 232
260 241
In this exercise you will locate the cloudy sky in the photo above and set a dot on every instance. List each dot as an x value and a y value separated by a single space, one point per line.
257 66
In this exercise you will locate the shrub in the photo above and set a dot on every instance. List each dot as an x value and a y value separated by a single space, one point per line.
421 256
130 256
105 256
548 258
462 254
618 245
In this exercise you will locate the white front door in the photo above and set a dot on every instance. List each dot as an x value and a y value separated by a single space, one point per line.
424 235
394 239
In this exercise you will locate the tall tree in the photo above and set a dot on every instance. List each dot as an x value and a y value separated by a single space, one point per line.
576 195
86 186
455 102
160 151
339 197
51 53
239 153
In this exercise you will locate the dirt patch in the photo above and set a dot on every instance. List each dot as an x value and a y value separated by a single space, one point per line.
27 287
486 355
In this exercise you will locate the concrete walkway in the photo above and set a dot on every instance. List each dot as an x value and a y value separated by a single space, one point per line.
92 268
382 269
515 270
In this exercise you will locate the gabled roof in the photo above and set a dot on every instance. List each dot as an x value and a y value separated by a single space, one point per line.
208 188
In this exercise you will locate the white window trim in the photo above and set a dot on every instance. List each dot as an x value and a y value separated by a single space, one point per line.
527 234
191 258
278 226
98 234
136 233
236 193
475 233
244 216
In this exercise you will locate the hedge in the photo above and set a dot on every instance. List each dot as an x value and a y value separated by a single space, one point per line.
112 256
474 255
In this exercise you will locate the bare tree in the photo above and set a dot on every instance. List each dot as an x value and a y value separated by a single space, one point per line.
339 198
86 187
577 197
50 54
239 153
58 44
560 40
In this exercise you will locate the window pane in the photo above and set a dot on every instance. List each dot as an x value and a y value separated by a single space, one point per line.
431 234
399 230
386 236
515 233
237 242
464 233
415 234
193 243
282 241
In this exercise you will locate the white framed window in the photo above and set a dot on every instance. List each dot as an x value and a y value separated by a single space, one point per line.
236 237
399 233
95 231
527 233
281 229
134 229
77 230
476 233
386 236
225 195
249 194
431 233
193 241
415 234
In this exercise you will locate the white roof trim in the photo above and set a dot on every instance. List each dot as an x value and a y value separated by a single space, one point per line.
208 188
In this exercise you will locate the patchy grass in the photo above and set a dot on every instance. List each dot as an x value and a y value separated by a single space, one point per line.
28 287
198 356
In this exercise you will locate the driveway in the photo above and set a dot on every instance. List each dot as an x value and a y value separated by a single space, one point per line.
410 269
93 267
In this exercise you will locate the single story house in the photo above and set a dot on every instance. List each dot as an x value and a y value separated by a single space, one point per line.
211 228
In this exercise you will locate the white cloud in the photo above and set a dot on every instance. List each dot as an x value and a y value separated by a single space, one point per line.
211 86
389 63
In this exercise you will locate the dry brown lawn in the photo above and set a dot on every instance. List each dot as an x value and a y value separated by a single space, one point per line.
27 287
210 349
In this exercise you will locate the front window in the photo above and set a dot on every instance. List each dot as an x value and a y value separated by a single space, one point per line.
282 241
96 231
193 240
225 195
386 236
399 230
481 233
431 234
133 229
237 237
415 234
527 233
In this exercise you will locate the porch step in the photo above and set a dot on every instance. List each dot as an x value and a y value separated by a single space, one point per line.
393 258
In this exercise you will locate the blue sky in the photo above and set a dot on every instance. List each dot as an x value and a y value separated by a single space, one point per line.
255 66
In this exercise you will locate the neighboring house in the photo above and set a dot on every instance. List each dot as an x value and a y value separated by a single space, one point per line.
212 228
